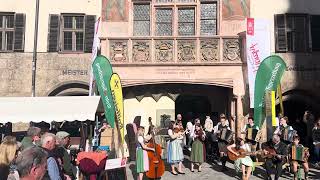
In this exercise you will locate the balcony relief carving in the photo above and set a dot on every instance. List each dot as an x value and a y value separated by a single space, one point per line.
186 51
231 50
164 50
119 51
141 51
209 50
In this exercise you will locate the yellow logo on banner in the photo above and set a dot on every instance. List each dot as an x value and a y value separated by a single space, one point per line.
116 90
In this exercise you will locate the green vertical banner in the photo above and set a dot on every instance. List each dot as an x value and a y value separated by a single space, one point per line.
267 79
102 71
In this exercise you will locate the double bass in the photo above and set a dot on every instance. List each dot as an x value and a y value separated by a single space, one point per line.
156 164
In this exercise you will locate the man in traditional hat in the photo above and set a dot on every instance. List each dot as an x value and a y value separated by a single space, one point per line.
63 140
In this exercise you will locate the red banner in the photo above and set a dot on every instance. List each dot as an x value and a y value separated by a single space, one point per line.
250 26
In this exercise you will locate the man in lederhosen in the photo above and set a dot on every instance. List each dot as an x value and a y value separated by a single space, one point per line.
222 144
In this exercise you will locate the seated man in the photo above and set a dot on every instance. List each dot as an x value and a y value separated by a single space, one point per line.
275 152
295 162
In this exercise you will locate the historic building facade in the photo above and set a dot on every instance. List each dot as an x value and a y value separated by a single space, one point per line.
174 56
177 56
64 46
295 37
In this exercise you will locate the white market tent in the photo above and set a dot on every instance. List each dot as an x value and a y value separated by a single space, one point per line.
48 109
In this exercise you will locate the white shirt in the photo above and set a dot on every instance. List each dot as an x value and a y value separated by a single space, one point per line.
277 131
140 140
216 128
208 125
189 126
246 147
192 131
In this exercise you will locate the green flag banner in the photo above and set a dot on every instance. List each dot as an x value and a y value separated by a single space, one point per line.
268 78
102 71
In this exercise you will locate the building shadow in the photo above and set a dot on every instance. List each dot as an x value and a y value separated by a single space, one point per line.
229 171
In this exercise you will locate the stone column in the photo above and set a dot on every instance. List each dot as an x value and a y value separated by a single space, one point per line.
239 116
233 112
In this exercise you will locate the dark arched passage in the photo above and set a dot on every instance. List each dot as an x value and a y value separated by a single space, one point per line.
70 89
193 106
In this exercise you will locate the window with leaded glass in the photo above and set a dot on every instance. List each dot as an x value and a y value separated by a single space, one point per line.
164 21
141 19
73 33
6 32
208 21
186 23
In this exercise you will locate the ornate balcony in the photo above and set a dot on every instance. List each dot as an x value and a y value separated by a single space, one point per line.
217 50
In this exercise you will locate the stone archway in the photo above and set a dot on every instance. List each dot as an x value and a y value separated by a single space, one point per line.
71 88
300 100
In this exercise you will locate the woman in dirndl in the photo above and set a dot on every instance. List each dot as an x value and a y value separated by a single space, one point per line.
244 165
142 160
198 148
174 148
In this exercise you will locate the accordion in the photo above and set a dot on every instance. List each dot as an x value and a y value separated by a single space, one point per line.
226 135
299 153
251 134
287 135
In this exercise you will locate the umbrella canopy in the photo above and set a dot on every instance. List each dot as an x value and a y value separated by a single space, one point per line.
48 109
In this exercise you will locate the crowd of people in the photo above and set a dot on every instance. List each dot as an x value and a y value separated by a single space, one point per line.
45 156
218 142
39 156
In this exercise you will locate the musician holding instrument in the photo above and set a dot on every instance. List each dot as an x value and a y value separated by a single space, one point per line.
285 131
210 137
299 155
251 131
275 153
316 142
242 164
142 160
174 149
220 130
198 149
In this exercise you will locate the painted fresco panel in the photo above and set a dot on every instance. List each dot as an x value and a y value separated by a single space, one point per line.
235 9
115 10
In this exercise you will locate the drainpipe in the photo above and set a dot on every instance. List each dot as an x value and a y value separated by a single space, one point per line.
34 60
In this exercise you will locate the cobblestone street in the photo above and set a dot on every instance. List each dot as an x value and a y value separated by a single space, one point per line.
212 171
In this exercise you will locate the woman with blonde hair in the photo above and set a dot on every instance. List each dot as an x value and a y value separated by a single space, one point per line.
142 160
8 149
